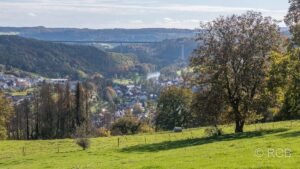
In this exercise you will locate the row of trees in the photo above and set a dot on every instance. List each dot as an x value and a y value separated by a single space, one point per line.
243 71
6 113
53 112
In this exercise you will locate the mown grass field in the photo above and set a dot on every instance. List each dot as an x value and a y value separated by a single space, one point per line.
256 148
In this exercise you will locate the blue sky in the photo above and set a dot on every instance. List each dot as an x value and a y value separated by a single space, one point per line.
129 13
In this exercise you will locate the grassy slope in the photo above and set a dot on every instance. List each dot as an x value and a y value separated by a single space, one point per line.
187 150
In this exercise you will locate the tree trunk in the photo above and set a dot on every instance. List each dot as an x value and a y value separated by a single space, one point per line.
27 125
239 126
239 121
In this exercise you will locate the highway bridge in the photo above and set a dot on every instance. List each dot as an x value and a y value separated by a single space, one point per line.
107 42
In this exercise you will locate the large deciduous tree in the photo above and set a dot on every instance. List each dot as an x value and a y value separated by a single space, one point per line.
232 59
173 108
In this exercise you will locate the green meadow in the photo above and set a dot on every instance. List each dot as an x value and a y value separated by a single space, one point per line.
269 145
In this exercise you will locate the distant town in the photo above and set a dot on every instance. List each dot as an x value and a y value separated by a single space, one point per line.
21 88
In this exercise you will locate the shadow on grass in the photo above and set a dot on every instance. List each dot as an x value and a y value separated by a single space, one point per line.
290 134
168 145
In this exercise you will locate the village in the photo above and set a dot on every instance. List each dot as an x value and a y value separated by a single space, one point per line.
20 88
138 98
131 97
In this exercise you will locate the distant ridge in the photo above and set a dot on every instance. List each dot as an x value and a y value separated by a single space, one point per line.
60 60
75 34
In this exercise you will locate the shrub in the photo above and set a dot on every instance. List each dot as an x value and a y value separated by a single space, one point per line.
103 132
81 132
3 134
84 143
99 132
116 132
126 125
213 131
145 128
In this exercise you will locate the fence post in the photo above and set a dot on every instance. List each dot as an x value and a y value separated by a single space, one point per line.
23 151
118 142
145 141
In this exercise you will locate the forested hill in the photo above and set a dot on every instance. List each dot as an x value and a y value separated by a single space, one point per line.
60 60
75 34
163 53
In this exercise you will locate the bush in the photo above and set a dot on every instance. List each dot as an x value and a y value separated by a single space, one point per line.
145 128
100 132
116 132
103 132
213 131
126 125
81 132
84 143
3 134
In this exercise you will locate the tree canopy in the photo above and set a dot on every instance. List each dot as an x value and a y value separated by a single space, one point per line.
173 108
232 58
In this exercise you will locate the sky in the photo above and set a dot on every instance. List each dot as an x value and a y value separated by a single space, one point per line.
99 14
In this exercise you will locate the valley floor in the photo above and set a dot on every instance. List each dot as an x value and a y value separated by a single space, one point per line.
271 145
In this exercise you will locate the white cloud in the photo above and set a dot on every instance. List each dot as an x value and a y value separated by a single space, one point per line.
92 5
192 20
32 14
115 13
136 21
168 20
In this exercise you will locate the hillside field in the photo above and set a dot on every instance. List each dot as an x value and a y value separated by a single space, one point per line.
269 145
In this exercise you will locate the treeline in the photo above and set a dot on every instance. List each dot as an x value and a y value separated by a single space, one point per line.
75 34
6 113
53 112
